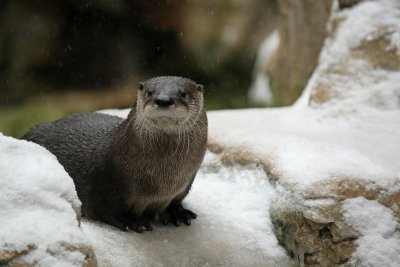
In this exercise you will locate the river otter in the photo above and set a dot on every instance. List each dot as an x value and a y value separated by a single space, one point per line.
126 172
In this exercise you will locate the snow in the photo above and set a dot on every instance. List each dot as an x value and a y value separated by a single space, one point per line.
38 203
379 244
304 147
260 91
319 202
364 22
233 227
355 134
359 25
232 202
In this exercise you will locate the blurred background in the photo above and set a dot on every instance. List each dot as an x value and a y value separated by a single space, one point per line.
64 56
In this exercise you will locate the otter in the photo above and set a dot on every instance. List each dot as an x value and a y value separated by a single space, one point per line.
130 172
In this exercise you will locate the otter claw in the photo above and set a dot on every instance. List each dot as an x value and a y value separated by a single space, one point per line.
187 221
176 214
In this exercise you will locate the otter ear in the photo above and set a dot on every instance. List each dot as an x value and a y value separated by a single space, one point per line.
141 86
200 87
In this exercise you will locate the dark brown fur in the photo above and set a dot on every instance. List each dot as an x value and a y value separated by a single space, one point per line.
127 171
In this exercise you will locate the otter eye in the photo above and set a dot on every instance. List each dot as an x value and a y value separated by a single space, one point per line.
149 94
183 95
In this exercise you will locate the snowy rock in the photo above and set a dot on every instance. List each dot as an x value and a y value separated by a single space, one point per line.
380 238
39 215
312 231
362 53
340 141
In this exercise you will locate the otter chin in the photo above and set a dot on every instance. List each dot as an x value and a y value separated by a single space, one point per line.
127 172
165 121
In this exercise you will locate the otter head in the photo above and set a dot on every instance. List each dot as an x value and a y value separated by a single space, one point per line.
169 104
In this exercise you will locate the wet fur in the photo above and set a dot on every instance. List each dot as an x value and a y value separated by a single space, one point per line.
125 170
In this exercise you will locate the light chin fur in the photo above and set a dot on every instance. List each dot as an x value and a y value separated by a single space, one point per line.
162 123
170 120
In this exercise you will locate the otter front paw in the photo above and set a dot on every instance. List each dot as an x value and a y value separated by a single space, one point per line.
176 214
125 225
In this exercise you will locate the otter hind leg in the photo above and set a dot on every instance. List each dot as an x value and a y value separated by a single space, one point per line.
177 214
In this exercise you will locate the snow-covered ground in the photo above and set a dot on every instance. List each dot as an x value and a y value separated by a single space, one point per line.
379 244
304 150
39 205
303 146
233 227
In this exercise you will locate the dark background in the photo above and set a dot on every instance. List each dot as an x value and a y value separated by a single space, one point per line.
65 56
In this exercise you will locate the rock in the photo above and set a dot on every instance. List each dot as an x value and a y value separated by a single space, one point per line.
339 143
302 30
6 256
314 231
40 215
371 56
347 3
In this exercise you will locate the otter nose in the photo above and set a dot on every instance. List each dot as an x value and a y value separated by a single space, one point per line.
163 101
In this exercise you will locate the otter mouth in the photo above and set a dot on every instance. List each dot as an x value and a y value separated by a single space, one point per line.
165 121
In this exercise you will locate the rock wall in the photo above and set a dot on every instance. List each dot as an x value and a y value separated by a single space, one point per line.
302 30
